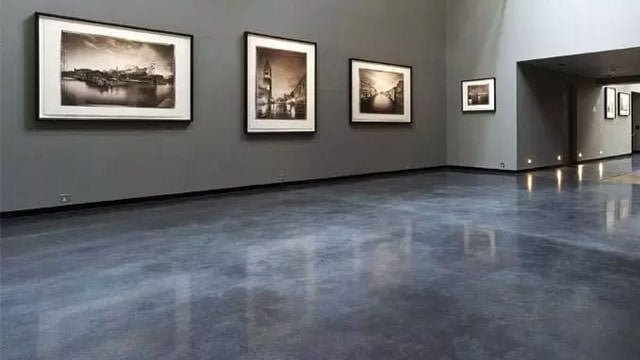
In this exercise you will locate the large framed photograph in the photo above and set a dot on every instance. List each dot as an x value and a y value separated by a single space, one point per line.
609 103
479 95
624 104
280 84
380 92
90 70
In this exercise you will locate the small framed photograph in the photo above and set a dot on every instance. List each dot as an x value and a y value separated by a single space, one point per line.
380 92
280 84
624 104
609 103
479 95
90 70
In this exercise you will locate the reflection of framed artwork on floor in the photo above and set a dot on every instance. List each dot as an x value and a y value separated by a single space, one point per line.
479 95
609 103
624 101
380 92
91 70
280 84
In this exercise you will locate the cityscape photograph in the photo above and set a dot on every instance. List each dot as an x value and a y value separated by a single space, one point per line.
98 70
381 92
281 89
478 94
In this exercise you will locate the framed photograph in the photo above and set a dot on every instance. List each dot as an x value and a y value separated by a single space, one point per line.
479 95
380 92
90 70
624 104
280 84
609 103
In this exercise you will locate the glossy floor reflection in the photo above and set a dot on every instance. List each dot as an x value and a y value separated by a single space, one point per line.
434 265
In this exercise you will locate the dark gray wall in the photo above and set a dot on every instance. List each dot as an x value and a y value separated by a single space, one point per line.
543 116
107 161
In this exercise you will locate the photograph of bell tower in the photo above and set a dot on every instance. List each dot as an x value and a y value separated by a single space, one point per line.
281 90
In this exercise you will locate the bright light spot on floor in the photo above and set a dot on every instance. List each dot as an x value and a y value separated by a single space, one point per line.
559 178
580 171
601 170
530 182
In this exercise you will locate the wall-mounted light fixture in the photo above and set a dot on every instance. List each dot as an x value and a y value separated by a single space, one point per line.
529 161
559 158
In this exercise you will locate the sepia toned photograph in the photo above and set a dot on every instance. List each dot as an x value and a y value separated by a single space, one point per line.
90 70
280 79
101 70
381 92
281 84
624 104
610 103
479 95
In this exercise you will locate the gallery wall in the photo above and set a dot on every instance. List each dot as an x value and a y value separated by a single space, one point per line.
489 37
99 161
612 137
543 106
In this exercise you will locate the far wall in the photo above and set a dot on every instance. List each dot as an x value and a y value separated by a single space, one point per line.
489 37
595 133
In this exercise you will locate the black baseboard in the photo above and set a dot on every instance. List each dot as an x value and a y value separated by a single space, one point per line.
280 186
223 191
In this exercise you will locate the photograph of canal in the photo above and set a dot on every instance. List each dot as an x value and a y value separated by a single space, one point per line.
281 84
381 92
99 70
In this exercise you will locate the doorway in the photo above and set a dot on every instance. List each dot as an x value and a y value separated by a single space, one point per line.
635 123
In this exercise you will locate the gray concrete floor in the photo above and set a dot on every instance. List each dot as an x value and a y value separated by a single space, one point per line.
433 265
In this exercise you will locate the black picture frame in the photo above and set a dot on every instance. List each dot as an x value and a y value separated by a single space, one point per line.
622 94
247 131
608 98
411 108
38 81
495 97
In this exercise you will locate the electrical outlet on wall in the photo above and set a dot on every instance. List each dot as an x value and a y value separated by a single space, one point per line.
65 198
501 165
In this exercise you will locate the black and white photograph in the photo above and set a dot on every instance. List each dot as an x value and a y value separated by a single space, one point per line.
380 92
110 71
280 84
624 104
609 103
282 87
103 70
478 95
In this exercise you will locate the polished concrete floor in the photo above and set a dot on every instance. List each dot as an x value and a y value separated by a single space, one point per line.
432 265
